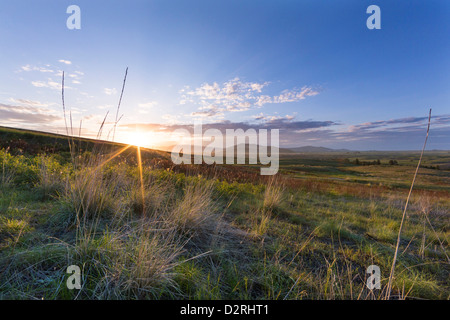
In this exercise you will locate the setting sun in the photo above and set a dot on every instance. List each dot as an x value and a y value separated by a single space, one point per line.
145 138
139 139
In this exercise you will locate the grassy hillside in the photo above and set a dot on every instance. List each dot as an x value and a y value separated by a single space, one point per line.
31 143
216 232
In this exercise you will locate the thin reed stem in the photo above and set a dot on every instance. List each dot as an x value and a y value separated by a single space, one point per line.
391 275
118 106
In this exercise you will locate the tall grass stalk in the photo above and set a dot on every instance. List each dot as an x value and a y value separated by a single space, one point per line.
391 275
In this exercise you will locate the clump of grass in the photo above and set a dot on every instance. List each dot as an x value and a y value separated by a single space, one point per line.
34 272
150 258
273 195
88 194
50 177
195 210
133 261
261 222
7 177
149 200
13 226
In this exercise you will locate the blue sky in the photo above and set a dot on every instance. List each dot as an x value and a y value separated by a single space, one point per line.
310 68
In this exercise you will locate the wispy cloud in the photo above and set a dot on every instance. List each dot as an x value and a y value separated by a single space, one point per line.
109 91
28 102
208 111
263 117
26 114
34 68
399 124
236 95
65 61
295 95
49 83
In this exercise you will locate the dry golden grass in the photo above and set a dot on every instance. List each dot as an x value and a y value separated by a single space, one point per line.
273 194
195 209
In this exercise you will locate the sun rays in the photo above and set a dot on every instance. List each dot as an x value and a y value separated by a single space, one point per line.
141 177
139 162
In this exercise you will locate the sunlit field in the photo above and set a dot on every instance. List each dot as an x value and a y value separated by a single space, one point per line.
141 227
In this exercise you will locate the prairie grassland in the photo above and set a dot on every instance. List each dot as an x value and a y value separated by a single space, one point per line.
207 232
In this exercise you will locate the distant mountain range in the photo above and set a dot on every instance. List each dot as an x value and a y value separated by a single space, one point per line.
305 149
315 149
